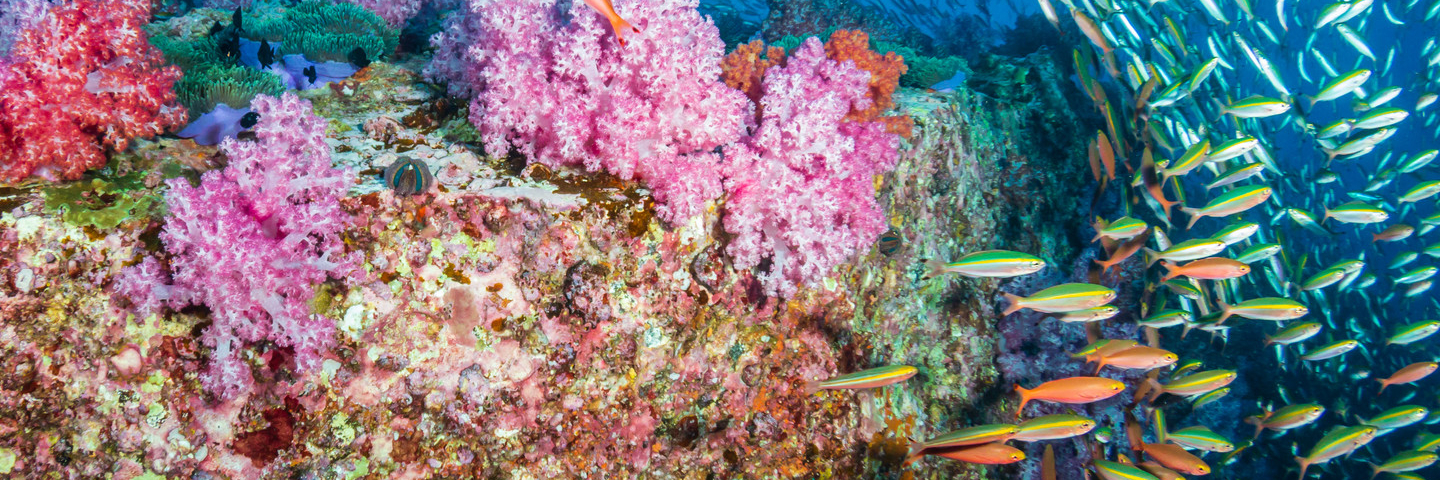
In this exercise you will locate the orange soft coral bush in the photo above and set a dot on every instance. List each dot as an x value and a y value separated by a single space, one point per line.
744 68
885 71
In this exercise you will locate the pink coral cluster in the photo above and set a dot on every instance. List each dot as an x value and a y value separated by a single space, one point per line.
17 16
570 94
395 12
252 241
81 79
802 191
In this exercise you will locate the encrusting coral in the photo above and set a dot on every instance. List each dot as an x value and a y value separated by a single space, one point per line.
92 57
252 241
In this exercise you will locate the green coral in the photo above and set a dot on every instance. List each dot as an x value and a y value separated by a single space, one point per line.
235 86
102 203
187 54
326 32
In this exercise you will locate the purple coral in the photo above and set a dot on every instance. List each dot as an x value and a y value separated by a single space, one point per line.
252 241
802 191
568 94
395 12
16 16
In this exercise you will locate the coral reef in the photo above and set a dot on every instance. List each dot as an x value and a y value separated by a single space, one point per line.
801 189
17 16
570 94
323 31
885 71
250 243
93 58
395 12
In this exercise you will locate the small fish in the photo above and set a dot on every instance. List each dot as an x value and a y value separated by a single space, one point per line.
1232 202
1200 438
967 437
1427 442
1214 268
890 242
1339 87
1405 462
1062 298
1104 346
1257 106
1325 278
989 263
872 378
1137 358
1047 459
1410 373
1417 275
1123 228
1286 418
987 454
1401 416
1186 367
1053 427
1166 318
1198 383
1236 175
1233 148
1090 314
310 74
357 58
249 120
617 24
1413 333
1337 442
1356 212
1330 350
1394 233
1265 308
1108 470
1208 398
1104 434
266 55
1236 233
1124 252
1176 458
1193 157
1193 249
408 176
1073 390
1258 252
1294 333
1159 471
1380 118
1422 191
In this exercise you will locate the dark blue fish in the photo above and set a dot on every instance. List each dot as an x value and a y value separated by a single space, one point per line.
358 59
310 74
408 176
249 120
267 55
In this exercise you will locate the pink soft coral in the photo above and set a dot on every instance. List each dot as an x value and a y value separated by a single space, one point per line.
569 94
83 78
253 240
802 190
17 16
395 12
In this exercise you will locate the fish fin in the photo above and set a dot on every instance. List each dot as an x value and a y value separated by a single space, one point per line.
1225 310
1194 214
1382 386
1375 470
1150 256
1303 466
620 25
1014 303
934 268
811 386
1169 270
1024 399
1259 424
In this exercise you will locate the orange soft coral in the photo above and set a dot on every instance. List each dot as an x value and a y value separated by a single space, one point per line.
744 68
885 71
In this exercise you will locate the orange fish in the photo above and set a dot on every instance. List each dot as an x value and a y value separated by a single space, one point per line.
1107 154
1175 457
987 454
1073 390
1213 268
616 23
1047 464
1137 358
1091 31
1125 251
1094 153
1152 183
1160 472
1411 373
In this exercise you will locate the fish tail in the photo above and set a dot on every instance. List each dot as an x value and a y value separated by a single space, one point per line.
1259 426
620 25
1024 399
811 386
1375 470
1382 386
1013 307
1170 270
1150 256
1304 464
934 268
1194 214
1225 310
1098 366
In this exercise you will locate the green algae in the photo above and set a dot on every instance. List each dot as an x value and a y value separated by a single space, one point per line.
101 203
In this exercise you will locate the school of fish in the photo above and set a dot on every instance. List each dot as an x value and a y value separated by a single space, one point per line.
1315 253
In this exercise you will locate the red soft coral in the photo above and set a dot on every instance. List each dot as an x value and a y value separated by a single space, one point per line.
885 71
83 78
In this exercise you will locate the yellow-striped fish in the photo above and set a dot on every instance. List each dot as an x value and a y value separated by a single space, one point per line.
872 378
